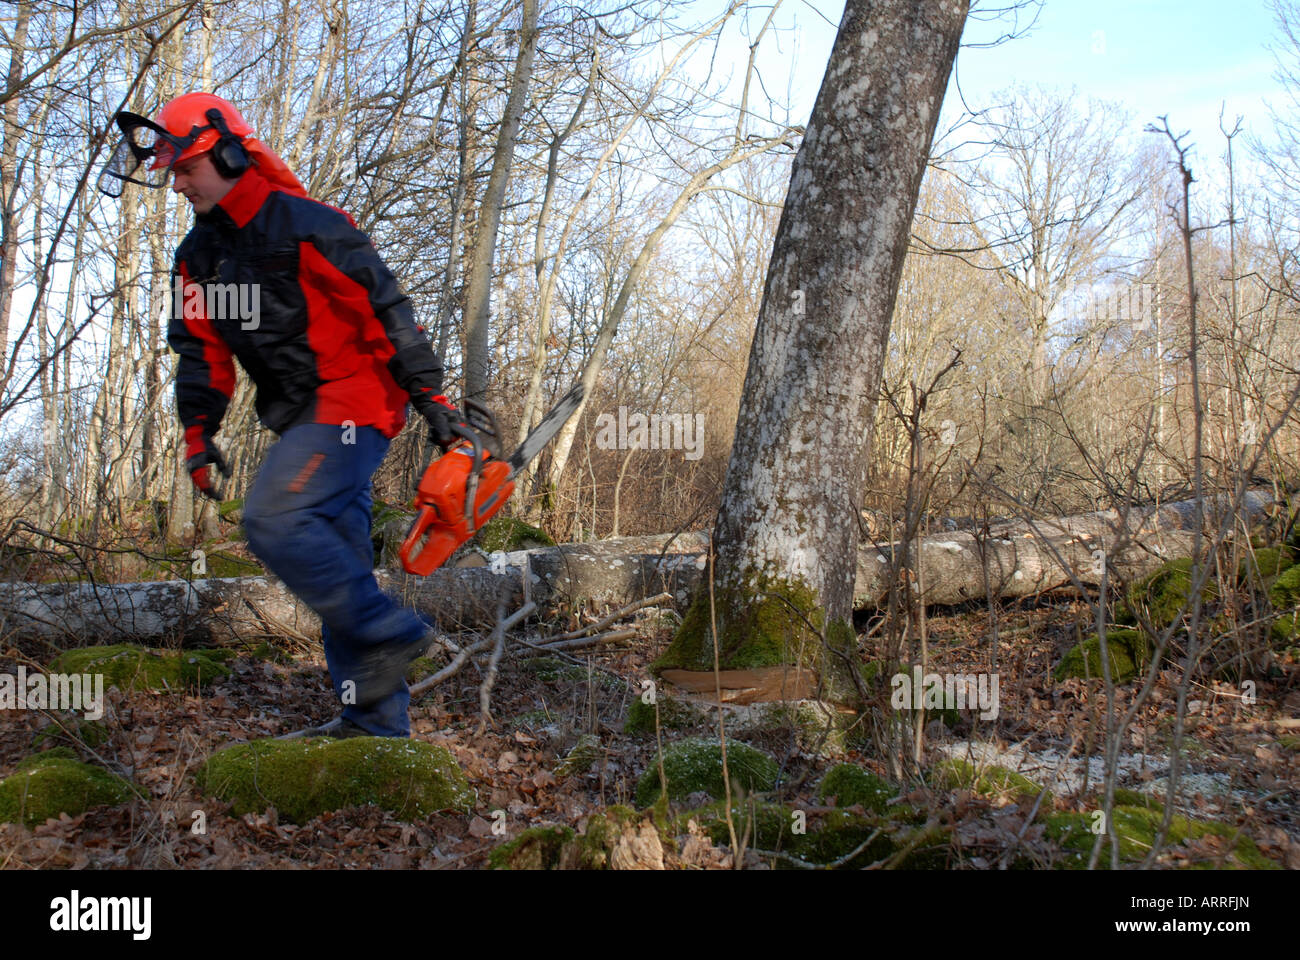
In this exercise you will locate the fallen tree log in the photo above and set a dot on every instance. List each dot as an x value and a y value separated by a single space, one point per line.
1015 559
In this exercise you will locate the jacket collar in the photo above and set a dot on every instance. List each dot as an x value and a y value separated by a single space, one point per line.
245 198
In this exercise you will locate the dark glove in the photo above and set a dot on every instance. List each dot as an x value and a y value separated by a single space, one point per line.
438 411
203 450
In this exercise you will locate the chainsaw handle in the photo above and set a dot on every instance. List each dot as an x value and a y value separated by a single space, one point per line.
469 434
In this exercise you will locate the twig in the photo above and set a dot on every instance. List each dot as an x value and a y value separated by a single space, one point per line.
490 676
587 641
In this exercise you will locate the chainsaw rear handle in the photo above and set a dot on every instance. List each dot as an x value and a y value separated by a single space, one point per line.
468 433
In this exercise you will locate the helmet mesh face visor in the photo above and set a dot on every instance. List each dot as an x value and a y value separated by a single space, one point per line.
144 155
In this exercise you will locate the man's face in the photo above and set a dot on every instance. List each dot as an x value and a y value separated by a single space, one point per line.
200 183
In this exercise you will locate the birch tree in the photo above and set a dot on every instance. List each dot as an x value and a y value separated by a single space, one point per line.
786 533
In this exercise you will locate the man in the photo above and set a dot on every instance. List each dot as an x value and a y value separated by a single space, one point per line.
331 344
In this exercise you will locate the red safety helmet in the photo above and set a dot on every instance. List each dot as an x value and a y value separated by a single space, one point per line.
194 131
190 125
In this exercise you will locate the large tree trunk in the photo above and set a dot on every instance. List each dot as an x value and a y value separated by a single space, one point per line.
1014 560
786 533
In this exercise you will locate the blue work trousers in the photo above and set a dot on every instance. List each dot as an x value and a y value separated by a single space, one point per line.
308 519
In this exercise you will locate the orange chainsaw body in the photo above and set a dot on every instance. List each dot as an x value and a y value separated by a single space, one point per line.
440 523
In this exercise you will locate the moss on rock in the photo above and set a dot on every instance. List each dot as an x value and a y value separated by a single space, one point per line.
1129 651
994 781
695 764
1285 592
55 782
1263 565
849 784
129 667
813 727
1164 594
1136 828
305 778
674 714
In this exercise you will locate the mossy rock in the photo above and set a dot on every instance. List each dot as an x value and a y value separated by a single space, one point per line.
1264 565
510 533
674 714
584 755
849 785
1164 593
811 727
1285 629
838 834
695 764
1285 592
537 848
74 732
993 781
769 825
304 778
56 782
1129 651
129 667
1136 828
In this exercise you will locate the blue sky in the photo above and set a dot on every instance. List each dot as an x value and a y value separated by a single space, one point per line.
1180 57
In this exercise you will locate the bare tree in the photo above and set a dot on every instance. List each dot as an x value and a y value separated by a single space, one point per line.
786 533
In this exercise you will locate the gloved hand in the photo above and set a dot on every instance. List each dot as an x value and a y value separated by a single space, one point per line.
438 411
201 451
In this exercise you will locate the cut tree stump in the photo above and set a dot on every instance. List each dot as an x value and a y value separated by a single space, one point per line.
1015 560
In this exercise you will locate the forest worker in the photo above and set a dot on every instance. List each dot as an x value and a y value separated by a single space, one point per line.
333 349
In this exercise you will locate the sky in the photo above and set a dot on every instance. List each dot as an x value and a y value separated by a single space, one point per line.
1183 58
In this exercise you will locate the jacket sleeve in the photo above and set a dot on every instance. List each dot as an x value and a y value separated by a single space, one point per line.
414 366
205 372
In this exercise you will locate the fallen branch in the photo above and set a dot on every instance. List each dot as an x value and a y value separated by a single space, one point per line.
616 616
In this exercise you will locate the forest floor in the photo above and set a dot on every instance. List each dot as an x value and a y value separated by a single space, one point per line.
1241 766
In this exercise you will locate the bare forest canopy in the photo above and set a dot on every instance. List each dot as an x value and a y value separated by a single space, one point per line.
633 220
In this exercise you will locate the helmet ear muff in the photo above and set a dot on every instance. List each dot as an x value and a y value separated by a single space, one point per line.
229 157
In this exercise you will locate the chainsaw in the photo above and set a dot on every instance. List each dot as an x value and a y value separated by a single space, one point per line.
467 485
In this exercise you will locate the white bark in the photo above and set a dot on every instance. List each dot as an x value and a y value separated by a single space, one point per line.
798 464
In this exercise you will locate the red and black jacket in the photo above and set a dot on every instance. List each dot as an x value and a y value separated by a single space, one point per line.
334 338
